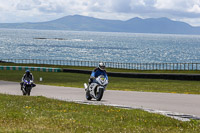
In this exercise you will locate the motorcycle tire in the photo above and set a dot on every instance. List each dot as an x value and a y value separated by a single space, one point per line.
88 97
99 95
28 90
23 92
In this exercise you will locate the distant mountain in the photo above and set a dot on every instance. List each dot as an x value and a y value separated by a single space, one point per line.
135 25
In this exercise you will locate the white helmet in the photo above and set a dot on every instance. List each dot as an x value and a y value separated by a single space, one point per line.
101 66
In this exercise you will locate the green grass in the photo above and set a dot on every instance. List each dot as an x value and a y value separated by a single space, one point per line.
108 69
115 83
38 114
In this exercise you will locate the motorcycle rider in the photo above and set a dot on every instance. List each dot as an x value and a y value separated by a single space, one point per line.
27 75
100 70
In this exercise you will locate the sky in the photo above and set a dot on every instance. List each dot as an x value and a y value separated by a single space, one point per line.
12 11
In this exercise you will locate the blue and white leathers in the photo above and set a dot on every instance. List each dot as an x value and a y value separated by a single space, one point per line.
97 72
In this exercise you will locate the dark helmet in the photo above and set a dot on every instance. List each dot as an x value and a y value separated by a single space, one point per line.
102 66
27 72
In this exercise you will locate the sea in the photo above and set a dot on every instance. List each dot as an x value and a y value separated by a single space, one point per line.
99 46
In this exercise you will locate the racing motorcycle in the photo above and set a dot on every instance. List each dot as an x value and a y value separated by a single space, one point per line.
96 88
27 86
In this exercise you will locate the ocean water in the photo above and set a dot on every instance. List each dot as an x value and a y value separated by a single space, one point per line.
99 46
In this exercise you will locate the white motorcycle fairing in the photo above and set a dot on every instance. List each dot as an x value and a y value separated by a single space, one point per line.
96 89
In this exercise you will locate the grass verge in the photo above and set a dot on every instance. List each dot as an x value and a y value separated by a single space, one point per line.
39 114
115 83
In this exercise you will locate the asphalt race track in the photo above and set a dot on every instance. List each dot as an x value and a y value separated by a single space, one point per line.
180 106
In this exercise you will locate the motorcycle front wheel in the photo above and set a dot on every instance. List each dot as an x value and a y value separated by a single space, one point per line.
88 97
99 94
23 92
28 90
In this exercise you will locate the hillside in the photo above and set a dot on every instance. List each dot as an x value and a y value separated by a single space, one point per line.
134 25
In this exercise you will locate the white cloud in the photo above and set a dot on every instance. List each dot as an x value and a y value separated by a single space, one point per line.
135 3
195 9
178 5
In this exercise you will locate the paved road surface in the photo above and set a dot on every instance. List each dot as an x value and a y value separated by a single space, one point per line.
180 103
